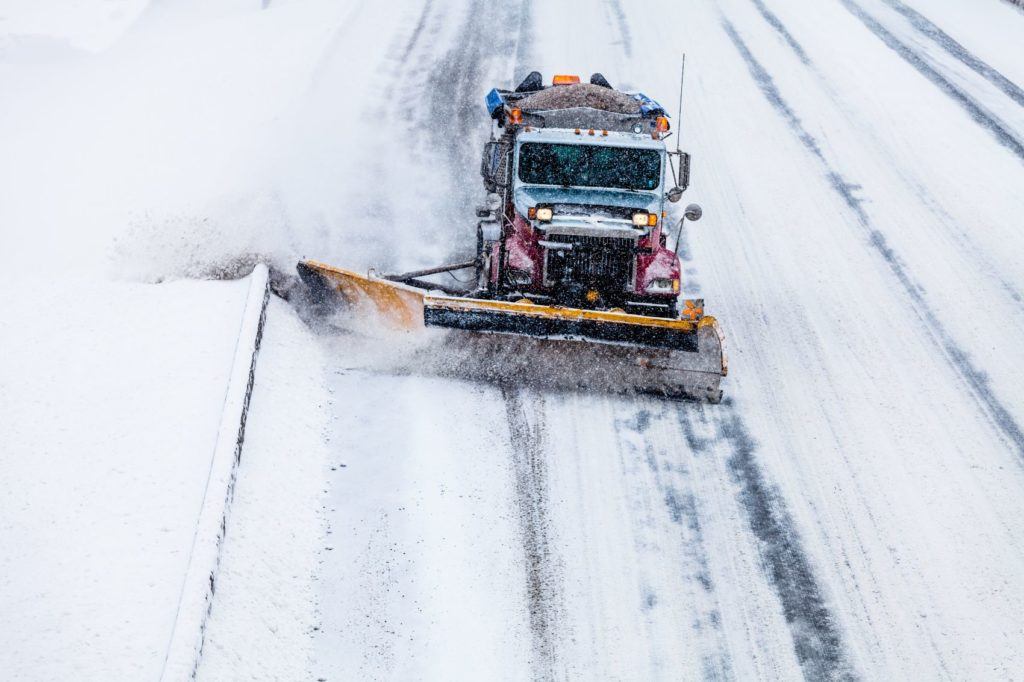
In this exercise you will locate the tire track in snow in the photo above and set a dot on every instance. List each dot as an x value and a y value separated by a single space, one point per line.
459 79
978 113
431 98
417 31
962 54
922 192
625 38
324 64
390 79
404 75
673 484
816 635
975 379
543 582
524 41
455 85
776 23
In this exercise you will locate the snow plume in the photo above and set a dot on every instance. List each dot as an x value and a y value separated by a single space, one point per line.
368 345
223 242
149 162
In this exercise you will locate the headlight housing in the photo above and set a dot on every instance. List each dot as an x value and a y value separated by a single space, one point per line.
645 219
544 215
517 276
663 285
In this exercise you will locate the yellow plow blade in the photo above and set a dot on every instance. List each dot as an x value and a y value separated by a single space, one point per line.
672 356
398 305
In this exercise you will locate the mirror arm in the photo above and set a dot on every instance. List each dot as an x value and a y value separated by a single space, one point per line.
694 213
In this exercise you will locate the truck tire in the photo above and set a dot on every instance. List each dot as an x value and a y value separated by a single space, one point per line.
483 261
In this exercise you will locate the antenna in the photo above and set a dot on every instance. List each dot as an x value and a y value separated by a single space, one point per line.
679 119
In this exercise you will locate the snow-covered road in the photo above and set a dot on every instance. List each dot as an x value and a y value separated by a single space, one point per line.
853 509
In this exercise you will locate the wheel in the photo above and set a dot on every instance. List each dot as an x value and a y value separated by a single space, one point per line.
483 262
483 273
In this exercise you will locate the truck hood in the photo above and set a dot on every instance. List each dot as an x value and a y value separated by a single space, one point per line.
528 196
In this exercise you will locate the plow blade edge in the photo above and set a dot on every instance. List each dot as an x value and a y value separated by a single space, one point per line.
670 356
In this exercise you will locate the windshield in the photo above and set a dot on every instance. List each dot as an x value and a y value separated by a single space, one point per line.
589 165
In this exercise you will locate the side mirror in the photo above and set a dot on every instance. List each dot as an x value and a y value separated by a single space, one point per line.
683 179
693 213
489 164
492 204
684 170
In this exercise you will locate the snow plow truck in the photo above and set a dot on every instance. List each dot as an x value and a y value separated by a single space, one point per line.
571 244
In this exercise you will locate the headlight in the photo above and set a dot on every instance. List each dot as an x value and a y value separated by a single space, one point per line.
517 276
645 219
663 286
544 215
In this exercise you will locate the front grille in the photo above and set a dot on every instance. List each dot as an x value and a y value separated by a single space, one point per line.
595 262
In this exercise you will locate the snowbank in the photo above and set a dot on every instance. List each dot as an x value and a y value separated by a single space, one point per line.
111 396
88 25
200 584
134 143
263 619
149 159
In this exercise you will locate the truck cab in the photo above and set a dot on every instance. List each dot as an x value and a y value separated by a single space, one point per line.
579 181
